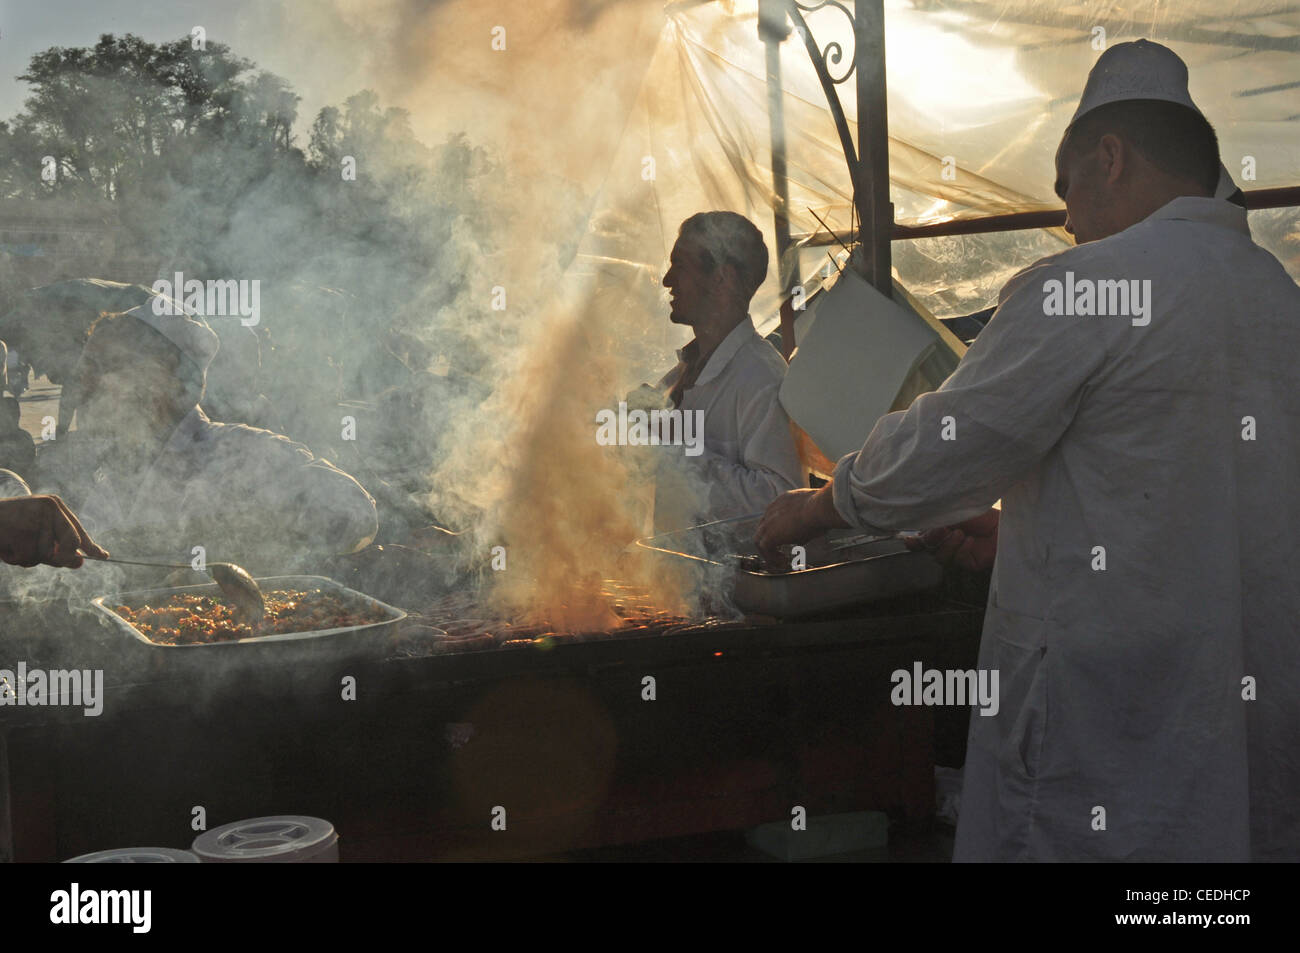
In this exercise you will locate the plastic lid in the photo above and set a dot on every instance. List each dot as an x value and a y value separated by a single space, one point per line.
284 838
137 855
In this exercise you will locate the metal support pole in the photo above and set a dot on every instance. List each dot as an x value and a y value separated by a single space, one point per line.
773 28
875 211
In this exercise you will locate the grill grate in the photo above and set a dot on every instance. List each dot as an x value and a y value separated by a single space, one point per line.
459 622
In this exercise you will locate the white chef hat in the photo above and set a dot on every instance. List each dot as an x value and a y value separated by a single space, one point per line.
1141 69
191 336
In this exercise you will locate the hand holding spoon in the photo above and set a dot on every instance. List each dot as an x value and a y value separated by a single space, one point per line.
234 581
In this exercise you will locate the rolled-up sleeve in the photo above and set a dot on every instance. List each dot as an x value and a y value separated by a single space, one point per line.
955 451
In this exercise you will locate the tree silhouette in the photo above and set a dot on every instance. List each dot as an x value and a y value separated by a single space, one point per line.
364 279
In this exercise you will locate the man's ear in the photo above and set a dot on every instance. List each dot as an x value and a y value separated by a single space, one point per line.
1113 154
729 272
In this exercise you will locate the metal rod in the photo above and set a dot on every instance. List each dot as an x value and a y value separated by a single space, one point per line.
1288 197
136 562
773 29
827 228
1015 221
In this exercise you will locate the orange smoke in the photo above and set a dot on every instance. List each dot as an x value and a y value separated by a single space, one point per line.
565 507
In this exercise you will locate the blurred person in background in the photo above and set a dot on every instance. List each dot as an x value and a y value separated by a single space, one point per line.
17 448
51 347
152 475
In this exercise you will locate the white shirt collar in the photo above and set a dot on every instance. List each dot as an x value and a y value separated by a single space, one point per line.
740 335
1210 211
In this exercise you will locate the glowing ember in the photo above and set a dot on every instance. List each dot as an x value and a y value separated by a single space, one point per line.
562 508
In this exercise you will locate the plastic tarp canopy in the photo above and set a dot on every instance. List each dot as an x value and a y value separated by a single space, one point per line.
978 96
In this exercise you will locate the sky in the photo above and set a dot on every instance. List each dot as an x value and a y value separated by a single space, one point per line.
435 58
248 26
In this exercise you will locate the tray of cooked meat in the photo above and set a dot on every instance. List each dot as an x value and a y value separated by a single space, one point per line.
298 608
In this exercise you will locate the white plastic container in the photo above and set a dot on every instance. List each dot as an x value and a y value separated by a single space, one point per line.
284 839
137 855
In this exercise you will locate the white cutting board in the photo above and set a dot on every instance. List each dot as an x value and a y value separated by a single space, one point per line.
858 350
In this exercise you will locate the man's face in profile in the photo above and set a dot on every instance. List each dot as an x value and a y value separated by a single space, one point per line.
690 281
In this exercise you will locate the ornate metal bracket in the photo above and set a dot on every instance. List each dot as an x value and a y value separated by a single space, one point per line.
822 61
833 53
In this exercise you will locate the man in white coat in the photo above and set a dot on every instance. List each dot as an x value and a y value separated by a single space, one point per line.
1133 405
728 376
151 476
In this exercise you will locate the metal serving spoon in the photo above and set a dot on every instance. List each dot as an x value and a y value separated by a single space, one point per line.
234 581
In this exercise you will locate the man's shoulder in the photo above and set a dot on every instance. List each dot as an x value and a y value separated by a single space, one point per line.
759 362
1095 257
1153 247
246 437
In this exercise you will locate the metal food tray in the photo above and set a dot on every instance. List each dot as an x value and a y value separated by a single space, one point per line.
140 597
845 568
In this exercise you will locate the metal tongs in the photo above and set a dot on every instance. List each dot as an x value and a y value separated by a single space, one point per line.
860 539
837 541
234 581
